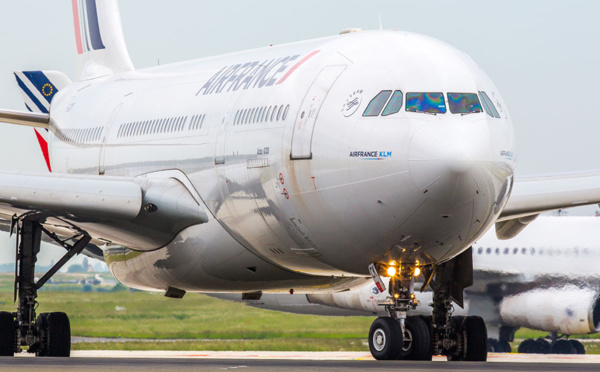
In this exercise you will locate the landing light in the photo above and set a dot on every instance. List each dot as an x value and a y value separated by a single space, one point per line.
417 271
396 295
391 271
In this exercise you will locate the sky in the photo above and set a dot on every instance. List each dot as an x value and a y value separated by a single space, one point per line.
544 56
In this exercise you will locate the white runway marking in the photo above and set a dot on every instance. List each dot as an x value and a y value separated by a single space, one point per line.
325 355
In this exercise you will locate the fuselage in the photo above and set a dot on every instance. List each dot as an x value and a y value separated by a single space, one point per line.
294 159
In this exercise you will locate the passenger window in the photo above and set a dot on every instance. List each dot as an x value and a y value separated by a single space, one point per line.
490 109
287 108
394 105
268 113
377 103
431 103
279 112
464 103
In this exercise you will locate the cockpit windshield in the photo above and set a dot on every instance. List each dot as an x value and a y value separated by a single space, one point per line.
432 103
464 103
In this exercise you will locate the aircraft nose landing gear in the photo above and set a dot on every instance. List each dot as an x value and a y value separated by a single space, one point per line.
459 338
50 333
398 336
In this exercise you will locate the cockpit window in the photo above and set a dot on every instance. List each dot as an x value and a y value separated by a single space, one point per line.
490 109
377 103
394 105
431 103
464 103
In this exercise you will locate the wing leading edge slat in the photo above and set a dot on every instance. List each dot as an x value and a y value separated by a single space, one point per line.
537 194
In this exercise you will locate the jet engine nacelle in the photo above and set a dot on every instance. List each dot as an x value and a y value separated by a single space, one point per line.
567 310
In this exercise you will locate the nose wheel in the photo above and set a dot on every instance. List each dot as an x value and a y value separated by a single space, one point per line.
385 339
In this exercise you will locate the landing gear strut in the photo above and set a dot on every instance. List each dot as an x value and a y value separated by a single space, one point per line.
459 338
399 336
49 334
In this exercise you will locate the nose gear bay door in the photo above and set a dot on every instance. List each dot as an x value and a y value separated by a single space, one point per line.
309 111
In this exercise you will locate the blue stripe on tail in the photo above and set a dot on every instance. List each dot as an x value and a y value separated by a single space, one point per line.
93 26
31 95
42 84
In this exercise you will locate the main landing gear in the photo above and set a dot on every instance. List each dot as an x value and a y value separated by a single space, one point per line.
48 334
403 337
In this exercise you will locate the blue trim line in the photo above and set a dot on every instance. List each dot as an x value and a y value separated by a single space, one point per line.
94 27
30 95
40 81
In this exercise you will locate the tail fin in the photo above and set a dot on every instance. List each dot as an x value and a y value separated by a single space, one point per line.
101 48
38 89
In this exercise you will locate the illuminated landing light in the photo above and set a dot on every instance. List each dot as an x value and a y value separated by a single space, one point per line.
417 271
396 295
391 271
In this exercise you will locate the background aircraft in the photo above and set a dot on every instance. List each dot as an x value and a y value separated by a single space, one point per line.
547 278
154 210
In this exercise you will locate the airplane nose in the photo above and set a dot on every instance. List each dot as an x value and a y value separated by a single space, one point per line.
450 161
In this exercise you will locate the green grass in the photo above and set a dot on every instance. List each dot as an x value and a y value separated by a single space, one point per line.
201 322
148 315
193 317
276 344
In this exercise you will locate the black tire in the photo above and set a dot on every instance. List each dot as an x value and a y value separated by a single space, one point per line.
542 346
476 339
504 346
578 346
42 322
562 347
527 347
458 326
385 339
427 320
493 346
7 334
416 341
59 335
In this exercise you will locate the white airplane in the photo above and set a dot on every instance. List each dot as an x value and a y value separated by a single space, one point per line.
304 167
546 278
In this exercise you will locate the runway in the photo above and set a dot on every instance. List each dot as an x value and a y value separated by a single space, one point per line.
288 361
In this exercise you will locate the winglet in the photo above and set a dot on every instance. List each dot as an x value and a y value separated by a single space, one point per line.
99 39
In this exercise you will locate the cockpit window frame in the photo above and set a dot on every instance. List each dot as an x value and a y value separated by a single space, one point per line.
452 107
488 105
377 104
441 94
394 104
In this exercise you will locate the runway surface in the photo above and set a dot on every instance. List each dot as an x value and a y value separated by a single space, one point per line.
287 361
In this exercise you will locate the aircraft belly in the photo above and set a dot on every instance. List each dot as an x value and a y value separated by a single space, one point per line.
206 258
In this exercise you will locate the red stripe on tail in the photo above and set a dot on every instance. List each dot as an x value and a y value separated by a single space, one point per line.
44 146
77 30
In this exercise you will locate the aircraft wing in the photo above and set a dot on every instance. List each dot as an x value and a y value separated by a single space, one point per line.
533 195
141 213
